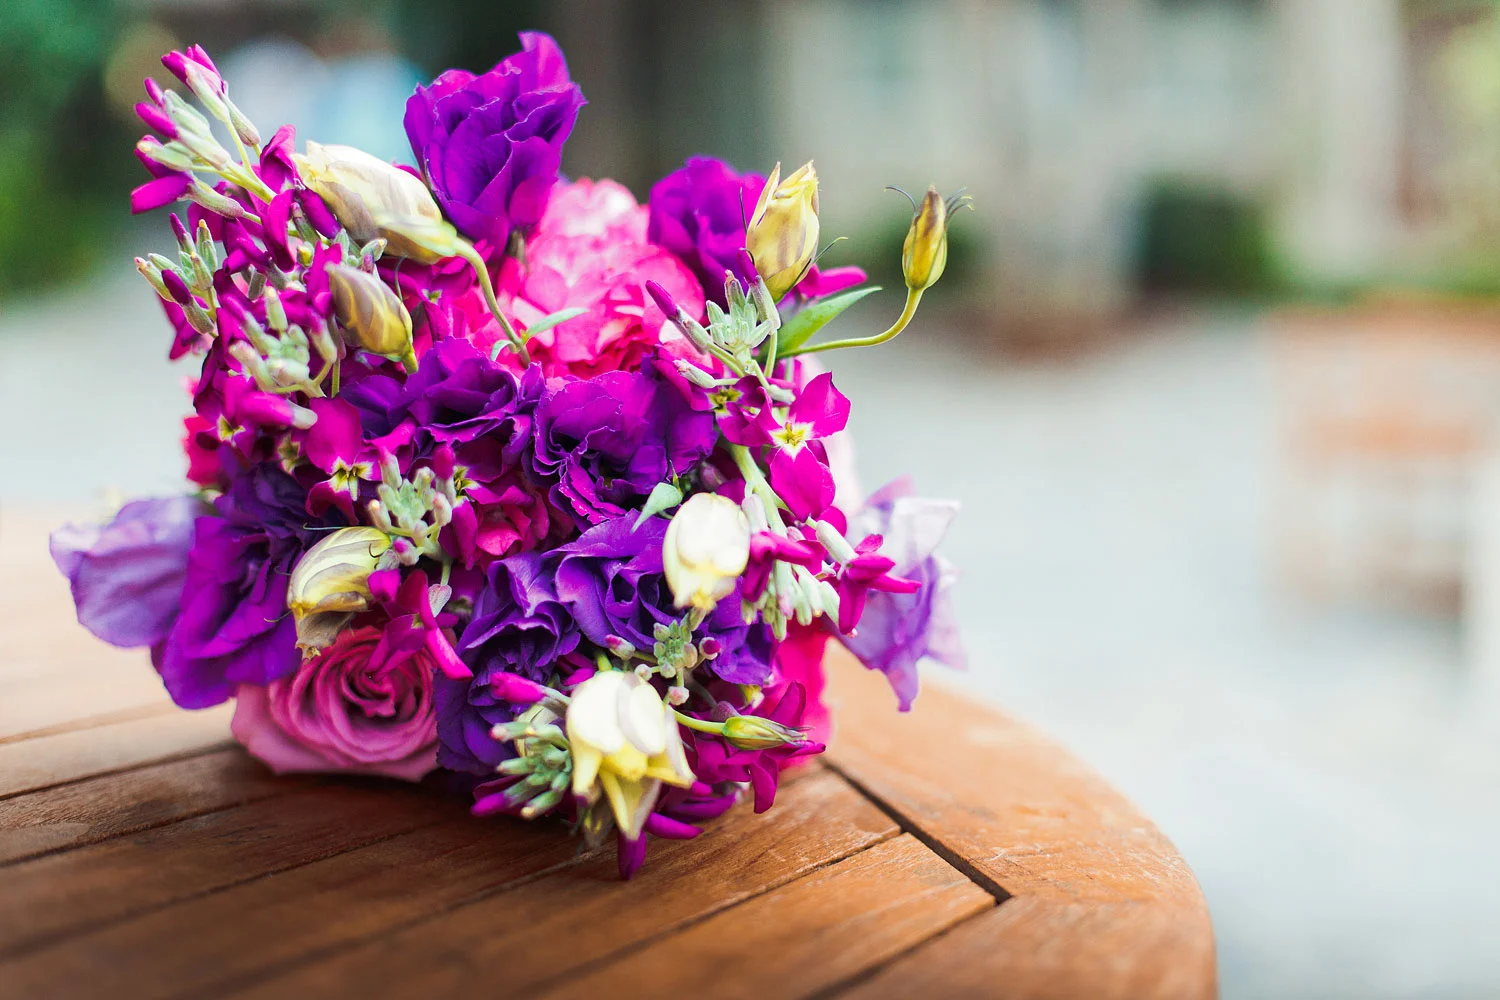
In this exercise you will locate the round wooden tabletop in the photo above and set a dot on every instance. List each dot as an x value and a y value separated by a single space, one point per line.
949 851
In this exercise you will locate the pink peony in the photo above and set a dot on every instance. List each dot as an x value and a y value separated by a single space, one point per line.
358 707
589 251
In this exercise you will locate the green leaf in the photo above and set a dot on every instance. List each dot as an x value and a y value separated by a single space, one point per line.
800 328
549 321
663 496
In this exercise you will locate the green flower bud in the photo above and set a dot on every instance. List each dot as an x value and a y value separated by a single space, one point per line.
370 312
751 732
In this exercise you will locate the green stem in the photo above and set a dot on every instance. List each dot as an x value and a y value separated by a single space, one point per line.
468 253
717 728
757 482
913 296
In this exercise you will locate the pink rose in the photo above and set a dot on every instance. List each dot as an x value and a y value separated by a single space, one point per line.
589 251
359 707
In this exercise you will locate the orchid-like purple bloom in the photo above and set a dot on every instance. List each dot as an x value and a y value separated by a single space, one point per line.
897 630
519 627
606 442
611 580
126 576
490 145
233 627
698 214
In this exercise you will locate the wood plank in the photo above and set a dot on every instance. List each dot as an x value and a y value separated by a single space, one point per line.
67 756
203 945
820 930
523 938
1105 888
110 805
1048 950
47 898
65 693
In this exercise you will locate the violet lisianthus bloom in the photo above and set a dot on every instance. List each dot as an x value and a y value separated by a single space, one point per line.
612 582
126 576
490 145
363 705
898 630
519 627
233 626
698 213
604 443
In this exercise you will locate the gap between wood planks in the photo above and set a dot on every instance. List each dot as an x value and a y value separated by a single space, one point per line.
933 844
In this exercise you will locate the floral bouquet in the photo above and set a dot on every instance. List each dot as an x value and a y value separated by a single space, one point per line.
506 474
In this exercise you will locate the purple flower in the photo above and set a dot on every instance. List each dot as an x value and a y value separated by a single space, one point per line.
899 629
519 627
610 578
698 214
126 576
606 442
233 627
490 145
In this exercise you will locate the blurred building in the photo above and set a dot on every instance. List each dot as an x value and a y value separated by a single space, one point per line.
1109 144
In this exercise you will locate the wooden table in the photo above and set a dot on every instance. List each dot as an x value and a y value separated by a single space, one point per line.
948 852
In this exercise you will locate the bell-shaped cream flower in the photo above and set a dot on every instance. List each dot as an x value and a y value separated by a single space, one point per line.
782 235
331 583
625 745
372 198
706 548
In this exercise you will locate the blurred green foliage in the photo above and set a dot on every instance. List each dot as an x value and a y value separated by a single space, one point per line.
60 153
1202 239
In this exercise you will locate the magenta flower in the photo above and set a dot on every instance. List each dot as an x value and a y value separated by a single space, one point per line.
336 445
714 760
867 571
490 145
799 465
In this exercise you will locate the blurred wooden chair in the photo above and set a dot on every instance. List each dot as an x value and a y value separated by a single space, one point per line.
1383 410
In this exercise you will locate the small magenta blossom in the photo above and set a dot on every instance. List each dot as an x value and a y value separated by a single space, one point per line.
799 465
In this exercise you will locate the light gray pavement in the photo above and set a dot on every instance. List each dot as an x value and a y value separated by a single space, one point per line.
1332 778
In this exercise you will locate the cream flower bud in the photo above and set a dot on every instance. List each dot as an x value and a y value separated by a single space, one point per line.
782 235
625 745
924 254
370 311
331 583
706 548
375 199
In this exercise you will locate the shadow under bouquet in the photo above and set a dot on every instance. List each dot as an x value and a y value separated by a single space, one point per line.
507 474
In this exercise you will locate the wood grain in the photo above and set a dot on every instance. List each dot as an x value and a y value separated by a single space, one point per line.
96 809
60 894
1093 880
298 913
541 930
43 761
802 938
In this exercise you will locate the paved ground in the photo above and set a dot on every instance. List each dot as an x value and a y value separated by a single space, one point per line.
1332 779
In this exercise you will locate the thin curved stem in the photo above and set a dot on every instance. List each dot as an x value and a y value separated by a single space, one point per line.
913 297
468 253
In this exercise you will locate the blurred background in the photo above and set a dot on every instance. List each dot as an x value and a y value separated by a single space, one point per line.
1215 370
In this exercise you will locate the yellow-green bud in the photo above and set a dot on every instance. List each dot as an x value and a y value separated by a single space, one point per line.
751 732
372 198
782 235
706 548
370 311
331 583
925 252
